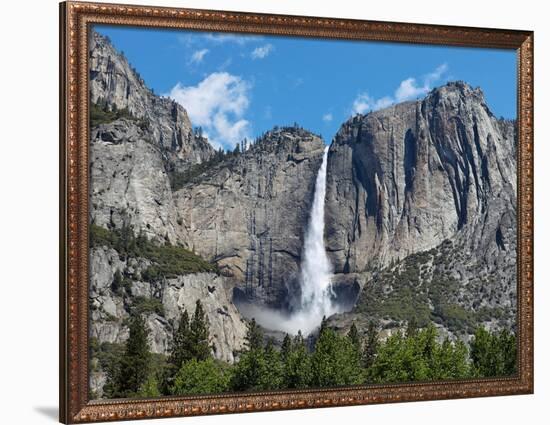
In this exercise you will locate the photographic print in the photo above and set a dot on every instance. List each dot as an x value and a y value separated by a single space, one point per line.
264 212
271 213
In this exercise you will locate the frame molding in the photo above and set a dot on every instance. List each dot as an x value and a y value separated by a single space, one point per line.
76 19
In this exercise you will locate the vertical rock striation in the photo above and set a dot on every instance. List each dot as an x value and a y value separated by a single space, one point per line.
436 175
131 156
405 178
249 213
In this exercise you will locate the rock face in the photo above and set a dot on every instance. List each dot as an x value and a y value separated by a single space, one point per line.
405 179
110 308
130 157
114 81
132 153
249 213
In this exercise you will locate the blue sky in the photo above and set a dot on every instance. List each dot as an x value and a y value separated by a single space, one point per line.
237 86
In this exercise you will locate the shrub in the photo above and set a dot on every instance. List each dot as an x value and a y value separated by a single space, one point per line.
144 305
168 260
103 114
200 377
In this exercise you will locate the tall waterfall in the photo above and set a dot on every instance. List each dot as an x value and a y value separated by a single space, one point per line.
316 271
316 297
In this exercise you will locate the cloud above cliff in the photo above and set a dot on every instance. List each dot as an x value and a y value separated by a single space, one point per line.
410 88
218 104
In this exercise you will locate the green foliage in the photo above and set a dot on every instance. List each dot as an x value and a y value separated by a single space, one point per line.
371 345
353 336
493 354
405 290
145 305
178 179
247 373
105 356
190 342
181 350
200 377
286 347
132 370
116 285
199 333
273 377
335 361
297 365
169 260
101 113
254 336
150 388
418 357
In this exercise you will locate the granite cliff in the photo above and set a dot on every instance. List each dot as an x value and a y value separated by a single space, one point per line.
436 176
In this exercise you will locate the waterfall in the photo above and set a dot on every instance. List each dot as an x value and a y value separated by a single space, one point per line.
316 267
316 297
316 270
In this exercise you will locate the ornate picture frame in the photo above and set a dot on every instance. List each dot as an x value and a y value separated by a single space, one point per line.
76 19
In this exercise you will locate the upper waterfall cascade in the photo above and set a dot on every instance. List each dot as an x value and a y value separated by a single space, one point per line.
316 290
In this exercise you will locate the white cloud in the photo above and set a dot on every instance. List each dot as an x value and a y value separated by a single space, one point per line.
408 89
218 104
327 117
193 39
198 56
231 38
262 51
364 103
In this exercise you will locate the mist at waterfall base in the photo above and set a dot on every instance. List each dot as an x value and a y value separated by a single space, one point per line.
317 296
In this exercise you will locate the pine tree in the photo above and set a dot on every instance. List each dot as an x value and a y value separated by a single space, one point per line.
297 366
353 335
493 354
134 366
324 325
272 376
418 358
335 361
181 350
117 282
508 349
286 347
254 336
200 377
150 388
199 333
371 345
412 327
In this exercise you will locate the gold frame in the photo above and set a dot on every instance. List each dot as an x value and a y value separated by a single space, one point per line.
75 21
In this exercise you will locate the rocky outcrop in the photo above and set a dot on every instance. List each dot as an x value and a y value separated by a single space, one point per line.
249 213
437 174
131 156
161 303
404 179
114 82
129 183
